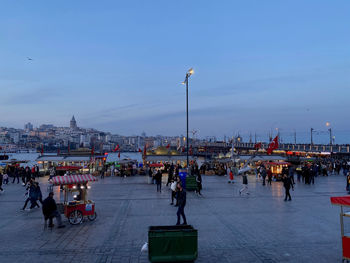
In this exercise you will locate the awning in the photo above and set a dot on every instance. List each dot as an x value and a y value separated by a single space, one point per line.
73 179
68 168
276 163
341 200
156 165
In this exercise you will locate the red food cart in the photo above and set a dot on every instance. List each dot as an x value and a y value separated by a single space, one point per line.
344 203
79 208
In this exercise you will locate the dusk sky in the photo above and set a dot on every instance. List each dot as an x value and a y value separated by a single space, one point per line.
118 65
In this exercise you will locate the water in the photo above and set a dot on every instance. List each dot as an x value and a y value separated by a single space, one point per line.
112 157
31 157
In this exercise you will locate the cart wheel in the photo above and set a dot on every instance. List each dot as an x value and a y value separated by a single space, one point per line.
75 217
92 217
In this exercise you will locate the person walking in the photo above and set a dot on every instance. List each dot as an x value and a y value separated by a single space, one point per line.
170 174
103 173
6 178
39 194
28 194
235 172
158 178
228 174
269 176
28 174
1 179
181 196
348 182
291 173
287 184
263 174
150 175
34 196
23 176
15 175
199 183
50 211
245 184
173 187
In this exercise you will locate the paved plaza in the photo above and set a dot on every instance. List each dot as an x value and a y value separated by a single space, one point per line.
259 227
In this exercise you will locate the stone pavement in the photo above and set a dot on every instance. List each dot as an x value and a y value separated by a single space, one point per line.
259 227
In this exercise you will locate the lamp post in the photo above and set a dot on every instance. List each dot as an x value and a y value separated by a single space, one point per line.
312 130
330 132
188 75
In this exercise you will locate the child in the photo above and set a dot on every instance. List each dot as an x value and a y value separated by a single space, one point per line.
6 178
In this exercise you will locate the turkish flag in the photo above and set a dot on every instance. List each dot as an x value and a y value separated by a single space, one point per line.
140 151
273 145
183 149
92 150
144 150
168 146
42 149
257 145
190 151
119 154
116 148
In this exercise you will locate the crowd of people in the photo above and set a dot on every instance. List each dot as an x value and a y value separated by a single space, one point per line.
306 173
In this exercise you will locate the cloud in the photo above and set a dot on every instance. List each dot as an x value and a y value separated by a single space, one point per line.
33 97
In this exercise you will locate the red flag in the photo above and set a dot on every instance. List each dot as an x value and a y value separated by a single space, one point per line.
183 149
257 146
273 145
119 154
116 148
42 149
92 150
168 146
144 150
190 151
140 151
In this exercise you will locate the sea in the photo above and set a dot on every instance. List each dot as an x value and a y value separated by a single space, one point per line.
31 157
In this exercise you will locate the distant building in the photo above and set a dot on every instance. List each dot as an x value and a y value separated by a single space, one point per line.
73 123
28 126
45 127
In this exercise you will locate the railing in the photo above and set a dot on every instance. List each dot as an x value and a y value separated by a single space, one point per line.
337 148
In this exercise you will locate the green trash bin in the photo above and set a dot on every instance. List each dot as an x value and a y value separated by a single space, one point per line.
191 183
172 243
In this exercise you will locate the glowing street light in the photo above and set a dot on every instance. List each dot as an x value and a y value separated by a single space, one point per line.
188 75
330 132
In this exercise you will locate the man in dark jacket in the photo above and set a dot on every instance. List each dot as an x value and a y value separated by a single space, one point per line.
287 183
158 178
181 198
50 211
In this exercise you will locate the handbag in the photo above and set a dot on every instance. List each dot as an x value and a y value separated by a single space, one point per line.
173 186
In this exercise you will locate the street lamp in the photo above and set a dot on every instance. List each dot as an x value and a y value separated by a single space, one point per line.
188 75
330 132
312 142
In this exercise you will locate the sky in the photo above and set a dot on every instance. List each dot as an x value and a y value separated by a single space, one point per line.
118 65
